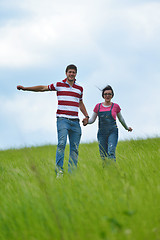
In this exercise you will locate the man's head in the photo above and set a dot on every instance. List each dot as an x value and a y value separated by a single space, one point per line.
71 71
71 66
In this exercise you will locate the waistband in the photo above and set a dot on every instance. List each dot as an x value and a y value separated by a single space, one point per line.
71 119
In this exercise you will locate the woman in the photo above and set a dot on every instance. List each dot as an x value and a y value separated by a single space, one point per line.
107 129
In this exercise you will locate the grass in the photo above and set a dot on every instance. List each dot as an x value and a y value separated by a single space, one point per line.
118 202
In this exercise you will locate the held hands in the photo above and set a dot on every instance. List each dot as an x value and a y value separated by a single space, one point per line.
130 129
85 121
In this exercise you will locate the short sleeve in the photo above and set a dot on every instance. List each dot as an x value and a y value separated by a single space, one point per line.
118 109
51 87
81 97
96 108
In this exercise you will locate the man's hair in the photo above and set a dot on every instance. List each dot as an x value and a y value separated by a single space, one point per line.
71 66
108 87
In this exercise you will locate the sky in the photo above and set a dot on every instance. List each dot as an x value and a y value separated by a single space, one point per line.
110 41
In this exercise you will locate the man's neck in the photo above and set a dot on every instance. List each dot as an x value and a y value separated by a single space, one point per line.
70 82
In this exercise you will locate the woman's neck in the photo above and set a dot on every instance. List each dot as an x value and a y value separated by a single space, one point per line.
107 103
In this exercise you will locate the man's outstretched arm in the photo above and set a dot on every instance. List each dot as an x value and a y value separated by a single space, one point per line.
40 88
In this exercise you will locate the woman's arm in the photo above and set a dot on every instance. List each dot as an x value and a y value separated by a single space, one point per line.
90 120
122 121
93 118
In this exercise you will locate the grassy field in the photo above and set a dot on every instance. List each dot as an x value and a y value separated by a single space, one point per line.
120 201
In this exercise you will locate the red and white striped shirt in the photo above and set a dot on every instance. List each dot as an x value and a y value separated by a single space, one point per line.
68 98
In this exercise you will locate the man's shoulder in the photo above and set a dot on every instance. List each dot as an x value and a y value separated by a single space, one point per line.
78 86
61 83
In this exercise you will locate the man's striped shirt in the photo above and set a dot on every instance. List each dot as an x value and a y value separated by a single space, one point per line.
68 98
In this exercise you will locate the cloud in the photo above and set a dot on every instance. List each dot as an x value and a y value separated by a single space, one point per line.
29 117
112 42
34 41
53 28
30 111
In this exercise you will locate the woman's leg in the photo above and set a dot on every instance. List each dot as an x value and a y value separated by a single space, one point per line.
112 143
103 145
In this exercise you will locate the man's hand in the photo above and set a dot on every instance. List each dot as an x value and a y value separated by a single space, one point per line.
19 87
85 121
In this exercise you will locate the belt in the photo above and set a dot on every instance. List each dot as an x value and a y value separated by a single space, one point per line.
71 119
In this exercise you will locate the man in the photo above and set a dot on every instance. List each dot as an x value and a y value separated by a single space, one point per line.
69 95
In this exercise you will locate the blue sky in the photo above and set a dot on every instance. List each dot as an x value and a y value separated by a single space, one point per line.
111 42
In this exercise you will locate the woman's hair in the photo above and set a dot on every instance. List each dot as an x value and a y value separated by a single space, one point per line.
71 66
108 87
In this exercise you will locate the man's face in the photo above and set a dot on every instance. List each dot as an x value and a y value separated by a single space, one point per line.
71 74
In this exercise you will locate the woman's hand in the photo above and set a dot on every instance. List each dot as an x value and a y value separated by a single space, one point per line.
85 121
130 129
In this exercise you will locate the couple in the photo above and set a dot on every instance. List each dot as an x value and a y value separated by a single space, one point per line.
70 95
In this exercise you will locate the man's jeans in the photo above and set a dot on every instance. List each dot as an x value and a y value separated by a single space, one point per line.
73 130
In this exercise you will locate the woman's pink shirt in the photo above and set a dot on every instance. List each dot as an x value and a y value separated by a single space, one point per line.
116 109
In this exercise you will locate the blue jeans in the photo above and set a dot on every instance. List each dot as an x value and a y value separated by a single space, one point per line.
107 143
73 130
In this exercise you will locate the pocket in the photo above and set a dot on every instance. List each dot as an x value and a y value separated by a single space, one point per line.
60 123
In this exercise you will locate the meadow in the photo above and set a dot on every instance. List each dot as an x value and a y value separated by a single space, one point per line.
117 201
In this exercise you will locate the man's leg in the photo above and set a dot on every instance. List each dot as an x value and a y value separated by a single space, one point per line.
74 140
62 132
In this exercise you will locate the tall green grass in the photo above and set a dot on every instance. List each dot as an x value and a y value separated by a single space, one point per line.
116 202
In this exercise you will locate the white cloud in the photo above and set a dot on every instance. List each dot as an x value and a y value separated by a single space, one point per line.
73 27
115 42
30 111
29 119
144 23
29 42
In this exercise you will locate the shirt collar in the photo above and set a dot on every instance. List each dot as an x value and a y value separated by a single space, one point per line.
65 81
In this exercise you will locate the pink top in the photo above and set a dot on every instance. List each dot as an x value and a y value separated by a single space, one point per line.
116 109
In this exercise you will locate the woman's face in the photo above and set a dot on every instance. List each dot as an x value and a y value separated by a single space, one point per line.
107 95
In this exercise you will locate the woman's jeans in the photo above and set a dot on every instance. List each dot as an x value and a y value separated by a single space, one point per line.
107 143
70 127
